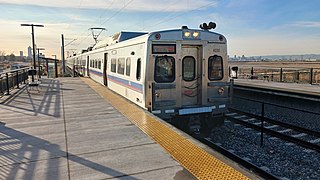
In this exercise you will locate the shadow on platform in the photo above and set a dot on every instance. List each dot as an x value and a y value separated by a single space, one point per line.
20 152
46 101
25 156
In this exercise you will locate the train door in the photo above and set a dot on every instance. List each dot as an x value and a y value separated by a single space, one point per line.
105 60
88 66
191 75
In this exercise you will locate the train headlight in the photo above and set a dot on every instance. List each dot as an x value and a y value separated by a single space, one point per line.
221 91
187 34
195 34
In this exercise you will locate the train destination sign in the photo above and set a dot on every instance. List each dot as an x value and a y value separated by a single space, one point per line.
163 49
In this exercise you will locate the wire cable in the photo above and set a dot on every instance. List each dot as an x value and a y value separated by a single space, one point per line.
116 13
172 18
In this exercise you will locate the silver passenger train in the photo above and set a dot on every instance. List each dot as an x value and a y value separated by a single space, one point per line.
172 73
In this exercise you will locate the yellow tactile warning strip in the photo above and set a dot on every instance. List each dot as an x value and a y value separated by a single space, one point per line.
198 162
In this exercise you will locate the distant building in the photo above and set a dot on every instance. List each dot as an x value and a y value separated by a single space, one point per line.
21 55
29 52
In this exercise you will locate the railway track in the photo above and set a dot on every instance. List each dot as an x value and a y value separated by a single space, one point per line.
259 171
202 137
301 136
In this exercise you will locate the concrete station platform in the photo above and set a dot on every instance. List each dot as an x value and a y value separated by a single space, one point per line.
66 130
306 89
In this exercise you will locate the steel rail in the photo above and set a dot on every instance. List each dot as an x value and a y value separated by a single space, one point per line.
289 138
272 121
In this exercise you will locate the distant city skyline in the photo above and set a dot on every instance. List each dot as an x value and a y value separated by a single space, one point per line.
21 53
252 28
305 57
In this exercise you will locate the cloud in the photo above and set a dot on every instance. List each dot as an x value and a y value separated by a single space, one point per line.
307 24
133 5
272 44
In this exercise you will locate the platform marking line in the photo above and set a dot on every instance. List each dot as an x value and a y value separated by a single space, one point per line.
197 161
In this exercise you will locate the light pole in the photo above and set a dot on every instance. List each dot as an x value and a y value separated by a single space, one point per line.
55 65
39 61
33 44
62 53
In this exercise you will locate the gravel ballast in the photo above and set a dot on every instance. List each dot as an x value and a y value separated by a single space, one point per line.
281 158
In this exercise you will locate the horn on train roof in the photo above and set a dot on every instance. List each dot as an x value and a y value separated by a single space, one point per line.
209 26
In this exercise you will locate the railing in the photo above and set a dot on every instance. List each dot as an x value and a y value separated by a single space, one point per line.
75 70
78 70
12 79
290 75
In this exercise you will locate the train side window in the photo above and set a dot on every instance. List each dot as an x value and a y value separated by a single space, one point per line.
113 65
95 64
128 66
121 65
138 72
188 68
164 69
99 64
215 68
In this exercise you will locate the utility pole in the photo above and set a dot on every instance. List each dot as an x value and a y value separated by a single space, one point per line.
62 56
55 65
63 53
33 44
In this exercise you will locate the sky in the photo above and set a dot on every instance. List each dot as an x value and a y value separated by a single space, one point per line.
252 27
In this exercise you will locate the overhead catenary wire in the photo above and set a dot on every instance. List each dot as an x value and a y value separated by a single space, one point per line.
112 16
83 34
79 6
167 19
84 39
116 13
108 8
169 6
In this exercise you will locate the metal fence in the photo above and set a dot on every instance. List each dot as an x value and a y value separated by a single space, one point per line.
12 79
291 75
